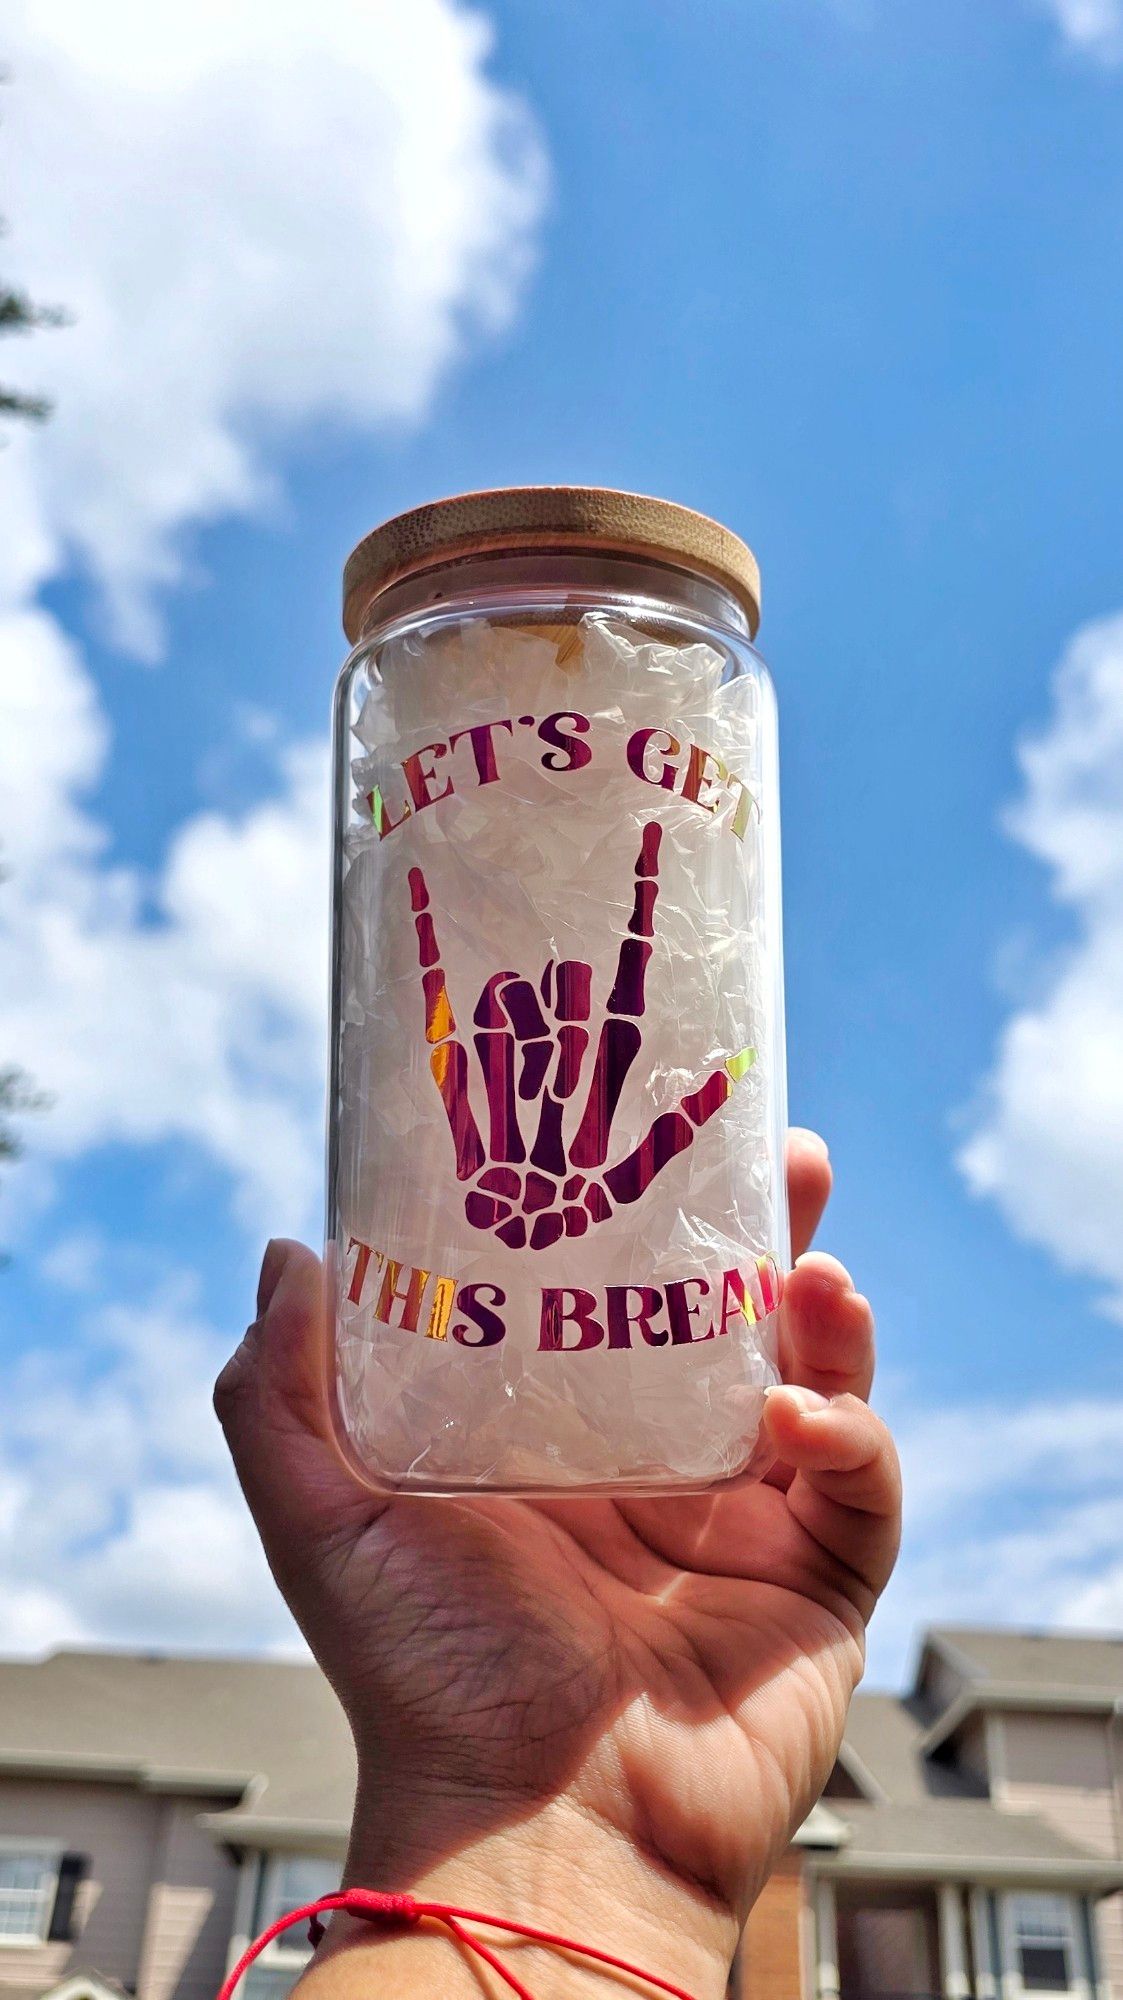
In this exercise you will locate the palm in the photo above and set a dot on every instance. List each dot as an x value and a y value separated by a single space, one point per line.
546 1646
650 1664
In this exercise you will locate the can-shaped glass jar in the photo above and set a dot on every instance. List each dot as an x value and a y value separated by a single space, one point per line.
557 1214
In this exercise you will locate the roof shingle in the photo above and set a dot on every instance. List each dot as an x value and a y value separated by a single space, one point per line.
1037 1660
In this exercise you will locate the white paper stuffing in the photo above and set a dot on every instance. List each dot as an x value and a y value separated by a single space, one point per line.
520 867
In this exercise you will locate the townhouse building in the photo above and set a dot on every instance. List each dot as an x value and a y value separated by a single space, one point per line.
157 1811
969 1842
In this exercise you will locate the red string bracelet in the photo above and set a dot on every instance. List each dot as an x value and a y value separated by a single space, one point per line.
379 1907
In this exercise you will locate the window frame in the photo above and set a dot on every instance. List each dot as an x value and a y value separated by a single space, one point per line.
51 1851
1013 1941
280 1951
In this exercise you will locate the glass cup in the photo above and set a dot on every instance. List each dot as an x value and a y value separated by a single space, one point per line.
557 1218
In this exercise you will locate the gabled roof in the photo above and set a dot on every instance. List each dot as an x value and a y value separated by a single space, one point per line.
885 1742
263 1742
1036 1662
1042 1671
923 1817
84 1986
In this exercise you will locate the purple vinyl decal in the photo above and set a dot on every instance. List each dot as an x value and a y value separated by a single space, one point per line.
530 1183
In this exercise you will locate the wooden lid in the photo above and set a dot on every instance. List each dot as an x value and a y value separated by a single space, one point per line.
509 519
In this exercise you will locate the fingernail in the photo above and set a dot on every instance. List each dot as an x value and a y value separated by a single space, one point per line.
809 1138
807 1400
826 1268
271 1265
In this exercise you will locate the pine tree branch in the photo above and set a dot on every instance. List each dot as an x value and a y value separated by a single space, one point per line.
19 314
33 407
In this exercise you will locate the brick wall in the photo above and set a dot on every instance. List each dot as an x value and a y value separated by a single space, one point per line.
769 1964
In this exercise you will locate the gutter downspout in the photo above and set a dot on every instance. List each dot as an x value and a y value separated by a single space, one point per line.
245 1904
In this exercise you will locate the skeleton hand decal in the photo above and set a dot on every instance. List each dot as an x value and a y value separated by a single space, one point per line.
531 1046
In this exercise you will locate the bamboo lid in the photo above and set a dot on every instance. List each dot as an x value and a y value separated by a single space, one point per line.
594 519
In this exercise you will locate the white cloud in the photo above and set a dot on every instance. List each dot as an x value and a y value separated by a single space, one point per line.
1099 1604
263 218
120 1518
260 216
189 1008
75 1262
1046 1140
1093 26
1013 1515
52 745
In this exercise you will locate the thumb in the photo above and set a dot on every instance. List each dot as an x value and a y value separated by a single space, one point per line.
272 1402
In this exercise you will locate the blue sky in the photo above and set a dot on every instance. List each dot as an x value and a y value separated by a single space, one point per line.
846 276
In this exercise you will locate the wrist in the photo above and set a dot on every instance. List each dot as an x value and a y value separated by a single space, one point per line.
556 1867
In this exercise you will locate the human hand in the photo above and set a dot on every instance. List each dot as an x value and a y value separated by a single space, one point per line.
603 1716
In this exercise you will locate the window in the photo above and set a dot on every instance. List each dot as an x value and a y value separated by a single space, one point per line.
287 1881
1044 1942
28 1880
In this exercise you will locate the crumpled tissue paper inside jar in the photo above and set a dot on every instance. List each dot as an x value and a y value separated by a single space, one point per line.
560 1214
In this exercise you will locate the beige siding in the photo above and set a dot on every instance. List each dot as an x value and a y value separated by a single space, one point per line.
156 1909
191 1913
1059 1766
116 1827
1050 1751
